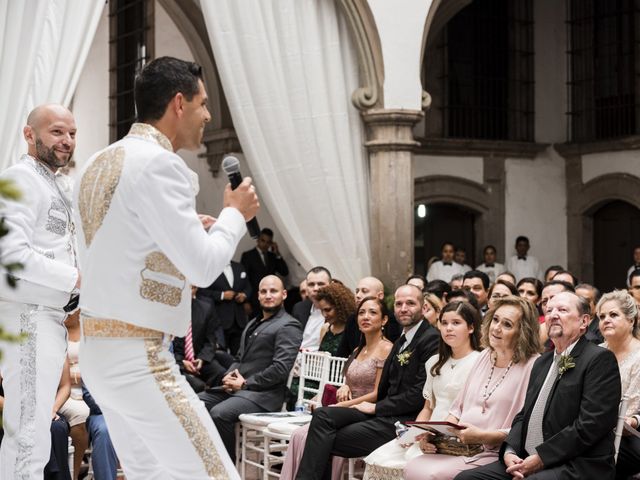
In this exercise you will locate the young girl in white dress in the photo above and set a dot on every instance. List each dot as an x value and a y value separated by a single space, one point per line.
459 325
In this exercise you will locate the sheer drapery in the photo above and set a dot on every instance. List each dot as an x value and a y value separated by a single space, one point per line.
288 69
43 46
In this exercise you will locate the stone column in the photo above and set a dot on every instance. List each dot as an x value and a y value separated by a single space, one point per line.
390 143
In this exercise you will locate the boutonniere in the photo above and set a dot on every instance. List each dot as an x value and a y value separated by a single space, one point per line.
403 357
565 363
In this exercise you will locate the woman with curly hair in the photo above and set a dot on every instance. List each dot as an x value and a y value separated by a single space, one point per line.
337 304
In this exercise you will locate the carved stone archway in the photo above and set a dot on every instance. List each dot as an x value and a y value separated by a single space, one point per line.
583 200
489 226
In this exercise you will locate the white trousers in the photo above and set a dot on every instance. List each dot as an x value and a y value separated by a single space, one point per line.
159 427
31 373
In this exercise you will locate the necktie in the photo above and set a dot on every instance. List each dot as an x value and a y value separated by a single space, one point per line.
188 346
534 432
522 257
489 265
401 341
447 263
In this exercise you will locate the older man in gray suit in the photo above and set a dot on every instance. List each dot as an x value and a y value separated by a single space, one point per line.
256 382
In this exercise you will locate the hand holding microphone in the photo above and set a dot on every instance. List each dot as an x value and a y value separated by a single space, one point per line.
240 194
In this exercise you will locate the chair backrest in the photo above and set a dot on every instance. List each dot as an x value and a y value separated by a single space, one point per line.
622 412
314 366
336 367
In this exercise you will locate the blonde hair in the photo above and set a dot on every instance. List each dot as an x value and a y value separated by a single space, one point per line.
627 305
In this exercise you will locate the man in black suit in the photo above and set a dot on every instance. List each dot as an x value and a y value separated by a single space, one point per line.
207 366
565 428
261 261
257 381
356 432
229 293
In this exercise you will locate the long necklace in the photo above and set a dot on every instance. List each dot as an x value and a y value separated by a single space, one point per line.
485 394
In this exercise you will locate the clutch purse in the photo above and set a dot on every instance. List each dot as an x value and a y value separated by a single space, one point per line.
450 445
329 395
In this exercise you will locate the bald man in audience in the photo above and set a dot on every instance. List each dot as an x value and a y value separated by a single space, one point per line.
41 236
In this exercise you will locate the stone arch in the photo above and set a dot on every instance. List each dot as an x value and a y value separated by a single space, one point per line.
583 200
440 12
365 36
470 195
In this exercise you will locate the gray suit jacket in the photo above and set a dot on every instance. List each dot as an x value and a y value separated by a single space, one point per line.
266 358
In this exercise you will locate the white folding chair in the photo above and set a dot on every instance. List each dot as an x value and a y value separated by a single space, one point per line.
314 366
622 411
336 371
250 437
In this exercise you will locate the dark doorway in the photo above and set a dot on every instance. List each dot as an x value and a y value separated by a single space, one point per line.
442 222
616 231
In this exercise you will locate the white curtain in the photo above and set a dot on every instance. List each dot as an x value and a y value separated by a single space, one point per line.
43 46
288 69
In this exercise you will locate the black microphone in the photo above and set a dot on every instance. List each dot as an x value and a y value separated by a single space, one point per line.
231 166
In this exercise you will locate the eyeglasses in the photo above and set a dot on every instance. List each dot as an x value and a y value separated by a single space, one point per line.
498 296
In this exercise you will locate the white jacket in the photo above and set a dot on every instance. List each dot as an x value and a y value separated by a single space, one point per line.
41 237
141 244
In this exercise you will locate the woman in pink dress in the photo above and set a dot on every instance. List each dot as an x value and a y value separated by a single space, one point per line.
362 374
491 396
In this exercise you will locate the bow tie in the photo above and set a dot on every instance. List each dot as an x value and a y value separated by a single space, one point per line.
447 263
489 265
522 257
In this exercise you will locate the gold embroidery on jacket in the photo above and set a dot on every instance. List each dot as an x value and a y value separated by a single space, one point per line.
97 188
183 410
148 132
161 280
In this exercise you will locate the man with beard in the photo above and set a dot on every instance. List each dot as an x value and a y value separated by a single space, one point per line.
41 237
359 430
257 381
141 246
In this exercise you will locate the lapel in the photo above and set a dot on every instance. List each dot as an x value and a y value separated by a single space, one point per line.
248 342
235 268
575 353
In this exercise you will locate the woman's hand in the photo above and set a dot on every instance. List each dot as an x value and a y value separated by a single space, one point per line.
426 447
343 393
470 434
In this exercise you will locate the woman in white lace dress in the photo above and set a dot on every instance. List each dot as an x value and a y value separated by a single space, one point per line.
459 325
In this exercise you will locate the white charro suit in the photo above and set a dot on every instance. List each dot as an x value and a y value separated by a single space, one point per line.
141 246
41 238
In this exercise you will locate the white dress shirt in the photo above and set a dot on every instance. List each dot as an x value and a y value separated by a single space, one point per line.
311 333
524 267
492 271
141 243
440 271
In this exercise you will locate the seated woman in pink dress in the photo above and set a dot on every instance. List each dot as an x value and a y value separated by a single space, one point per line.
362 374
491 396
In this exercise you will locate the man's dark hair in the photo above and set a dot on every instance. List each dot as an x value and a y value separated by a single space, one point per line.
320 269
159 81
484 250
444 244
267 231
567 286
522 238
439 288
459 294
632 275
478 274
567 272
588 286
557 268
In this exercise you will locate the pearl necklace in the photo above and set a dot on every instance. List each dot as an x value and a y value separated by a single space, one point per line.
485 395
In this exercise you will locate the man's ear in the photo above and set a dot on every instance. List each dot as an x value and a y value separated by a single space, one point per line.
29 135
177 104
